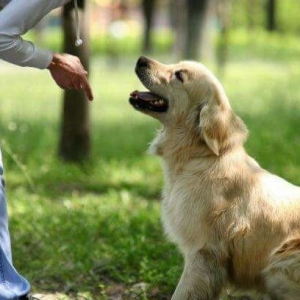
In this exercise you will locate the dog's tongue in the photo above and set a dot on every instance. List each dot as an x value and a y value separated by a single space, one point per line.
146 96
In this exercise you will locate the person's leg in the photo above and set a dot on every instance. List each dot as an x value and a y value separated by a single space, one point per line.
12 285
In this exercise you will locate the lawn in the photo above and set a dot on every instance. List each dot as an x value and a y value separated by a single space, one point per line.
93 231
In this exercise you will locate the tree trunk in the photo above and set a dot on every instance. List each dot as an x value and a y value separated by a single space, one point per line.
179 12
224 16
196 19
75 131
148 10
271 15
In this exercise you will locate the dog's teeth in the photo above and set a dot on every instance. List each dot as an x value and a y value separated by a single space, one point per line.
159 102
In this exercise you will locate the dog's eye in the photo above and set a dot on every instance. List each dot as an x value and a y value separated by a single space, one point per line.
179 76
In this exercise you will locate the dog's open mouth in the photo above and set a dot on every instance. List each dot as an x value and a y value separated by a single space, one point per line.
148 101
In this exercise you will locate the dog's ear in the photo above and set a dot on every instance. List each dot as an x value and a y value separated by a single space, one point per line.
219 126
212 126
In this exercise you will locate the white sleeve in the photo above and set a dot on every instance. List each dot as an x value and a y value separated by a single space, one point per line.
16 19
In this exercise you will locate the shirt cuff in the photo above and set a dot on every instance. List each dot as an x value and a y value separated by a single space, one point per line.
42 58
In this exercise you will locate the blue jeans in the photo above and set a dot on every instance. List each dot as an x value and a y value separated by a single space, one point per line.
12 285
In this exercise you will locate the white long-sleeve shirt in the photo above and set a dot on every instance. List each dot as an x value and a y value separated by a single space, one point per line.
16 18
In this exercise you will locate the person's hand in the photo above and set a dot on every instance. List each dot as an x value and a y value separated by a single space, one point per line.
68 73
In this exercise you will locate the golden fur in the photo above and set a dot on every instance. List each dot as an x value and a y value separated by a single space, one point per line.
236 224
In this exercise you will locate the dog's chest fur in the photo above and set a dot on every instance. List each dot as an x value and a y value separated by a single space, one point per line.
187 197
187 208
182 217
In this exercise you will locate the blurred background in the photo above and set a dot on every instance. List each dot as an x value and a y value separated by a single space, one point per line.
83 194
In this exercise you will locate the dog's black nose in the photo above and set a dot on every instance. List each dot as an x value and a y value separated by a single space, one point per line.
143 62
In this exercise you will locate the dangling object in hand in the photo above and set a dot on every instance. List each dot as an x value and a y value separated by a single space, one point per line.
78 42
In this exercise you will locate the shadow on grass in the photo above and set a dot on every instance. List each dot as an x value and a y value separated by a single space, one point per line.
118 160
86 245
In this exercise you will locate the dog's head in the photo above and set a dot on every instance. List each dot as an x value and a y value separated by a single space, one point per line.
188 94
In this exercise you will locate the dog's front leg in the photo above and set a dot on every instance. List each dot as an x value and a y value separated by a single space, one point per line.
202 279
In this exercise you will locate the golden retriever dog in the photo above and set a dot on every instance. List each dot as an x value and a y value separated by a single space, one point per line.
236 224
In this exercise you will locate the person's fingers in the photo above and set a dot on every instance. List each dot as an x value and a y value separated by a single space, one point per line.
62 85
76 83
72 75
88 90
68 84
81 85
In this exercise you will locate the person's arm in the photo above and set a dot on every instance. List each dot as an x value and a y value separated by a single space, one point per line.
68 73
17 18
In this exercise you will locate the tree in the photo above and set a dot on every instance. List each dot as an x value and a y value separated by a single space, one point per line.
196 18
224 16
75 131
179 17
189 21
271 15
148 11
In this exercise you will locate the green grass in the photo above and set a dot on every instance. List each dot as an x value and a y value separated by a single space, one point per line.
105 44
91 230
244 44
